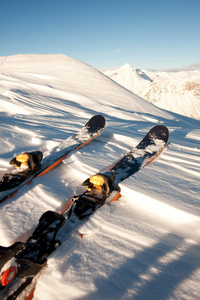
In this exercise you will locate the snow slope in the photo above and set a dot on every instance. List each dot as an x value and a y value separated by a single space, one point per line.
178 92
144 246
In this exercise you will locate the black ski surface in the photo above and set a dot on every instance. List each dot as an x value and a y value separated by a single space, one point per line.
146 151
30 258
92 128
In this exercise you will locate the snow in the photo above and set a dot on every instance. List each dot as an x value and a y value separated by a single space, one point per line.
143 246
175 91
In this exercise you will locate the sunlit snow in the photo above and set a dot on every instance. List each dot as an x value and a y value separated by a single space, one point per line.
175 91
143 246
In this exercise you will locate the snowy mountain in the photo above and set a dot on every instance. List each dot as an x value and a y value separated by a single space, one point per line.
174 91
143 246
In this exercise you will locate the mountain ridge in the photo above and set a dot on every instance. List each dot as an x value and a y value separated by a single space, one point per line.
178 92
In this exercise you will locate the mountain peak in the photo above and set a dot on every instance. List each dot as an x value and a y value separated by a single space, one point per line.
163 88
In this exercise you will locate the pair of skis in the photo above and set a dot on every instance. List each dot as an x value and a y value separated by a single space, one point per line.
21 263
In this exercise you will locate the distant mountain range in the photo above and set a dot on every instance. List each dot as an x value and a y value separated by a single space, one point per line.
174 91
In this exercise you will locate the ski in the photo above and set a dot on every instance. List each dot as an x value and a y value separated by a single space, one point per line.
143 154
32 164
22 263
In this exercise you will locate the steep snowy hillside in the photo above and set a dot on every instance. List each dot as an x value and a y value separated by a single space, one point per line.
174 91
143 246
131 78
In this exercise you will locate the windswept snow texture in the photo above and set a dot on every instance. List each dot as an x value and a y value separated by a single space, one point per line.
145 245
178 92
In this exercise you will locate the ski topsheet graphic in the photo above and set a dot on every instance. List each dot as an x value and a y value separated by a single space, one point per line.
32 164
22 263
146 151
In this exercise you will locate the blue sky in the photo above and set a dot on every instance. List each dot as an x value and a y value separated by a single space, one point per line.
150 34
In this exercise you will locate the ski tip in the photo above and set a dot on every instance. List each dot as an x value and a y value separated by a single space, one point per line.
161 132
96 123
156 134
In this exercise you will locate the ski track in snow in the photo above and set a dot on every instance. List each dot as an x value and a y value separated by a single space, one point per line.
143 246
